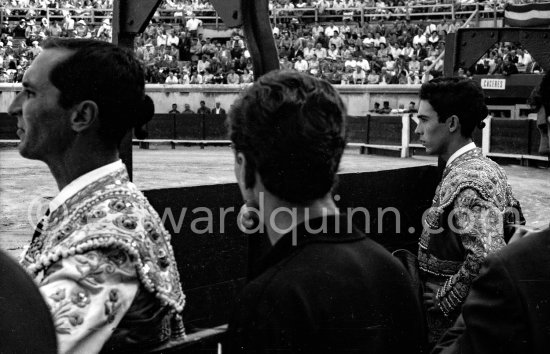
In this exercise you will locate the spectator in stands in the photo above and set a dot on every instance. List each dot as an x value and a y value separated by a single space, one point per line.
20 29
419 38
171 79
208 77
509 68
35 49
433 38
203 109
102 278
294 300
397 36
193 24
187 109
414 65
174 109
203 64
386 77
246 77
320 51
233 78
309 51
333 53
301 64
525 60
82 30
373 78
236 51
497 66
336 40
105 32
195 50
184 78
403 78
68 24
359 76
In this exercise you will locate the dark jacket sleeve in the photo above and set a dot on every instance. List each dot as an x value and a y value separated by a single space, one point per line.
493 316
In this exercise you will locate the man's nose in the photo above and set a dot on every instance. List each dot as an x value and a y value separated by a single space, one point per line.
15 107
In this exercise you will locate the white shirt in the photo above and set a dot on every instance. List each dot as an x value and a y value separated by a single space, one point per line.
421 39
301 65
461 151
351 63
171 80
86 179
526 59
364 65
193 24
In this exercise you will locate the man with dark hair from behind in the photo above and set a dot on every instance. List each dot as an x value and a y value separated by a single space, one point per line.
473 204
100 256
323 287
507 310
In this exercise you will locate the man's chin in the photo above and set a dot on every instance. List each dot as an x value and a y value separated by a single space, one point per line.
25 152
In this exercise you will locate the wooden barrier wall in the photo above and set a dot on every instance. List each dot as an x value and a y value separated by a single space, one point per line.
508 136
214 265
517 136
8 127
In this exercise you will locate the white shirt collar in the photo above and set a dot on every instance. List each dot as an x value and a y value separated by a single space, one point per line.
461 151
82 181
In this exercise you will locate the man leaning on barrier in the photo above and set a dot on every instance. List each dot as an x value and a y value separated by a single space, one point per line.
100 256
473 204
323 287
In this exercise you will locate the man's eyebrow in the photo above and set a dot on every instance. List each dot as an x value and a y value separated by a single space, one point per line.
423 116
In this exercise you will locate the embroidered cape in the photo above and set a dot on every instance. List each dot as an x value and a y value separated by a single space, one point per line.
111 214
474 195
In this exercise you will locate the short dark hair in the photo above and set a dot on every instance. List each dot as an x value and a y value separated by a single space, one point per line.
108 75
291 128
457 96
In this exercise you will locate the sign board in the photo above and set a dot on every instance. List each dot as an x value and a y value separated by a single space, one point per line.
493 84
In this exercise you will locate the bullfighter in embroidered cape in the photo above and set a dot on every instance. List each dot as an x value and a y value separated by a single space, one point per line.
100 256
473 205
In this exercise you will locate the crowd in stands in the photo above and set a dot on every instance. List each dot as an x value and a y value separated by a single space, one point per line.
379 52
396 53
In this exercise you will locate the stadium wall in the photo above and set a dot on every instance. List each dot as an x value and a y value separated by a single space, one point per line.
359 99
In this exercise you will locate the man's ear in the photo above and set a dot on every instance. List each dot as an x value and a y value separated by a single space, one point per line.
453 123
240 168
86 113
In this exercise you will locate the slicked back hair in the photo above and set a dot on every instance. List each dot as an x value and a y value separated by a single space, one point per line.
457 96
108 75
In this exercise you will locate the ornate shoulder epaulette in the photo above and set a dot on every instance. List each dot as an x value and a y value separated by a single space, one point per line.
111 213
473 170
